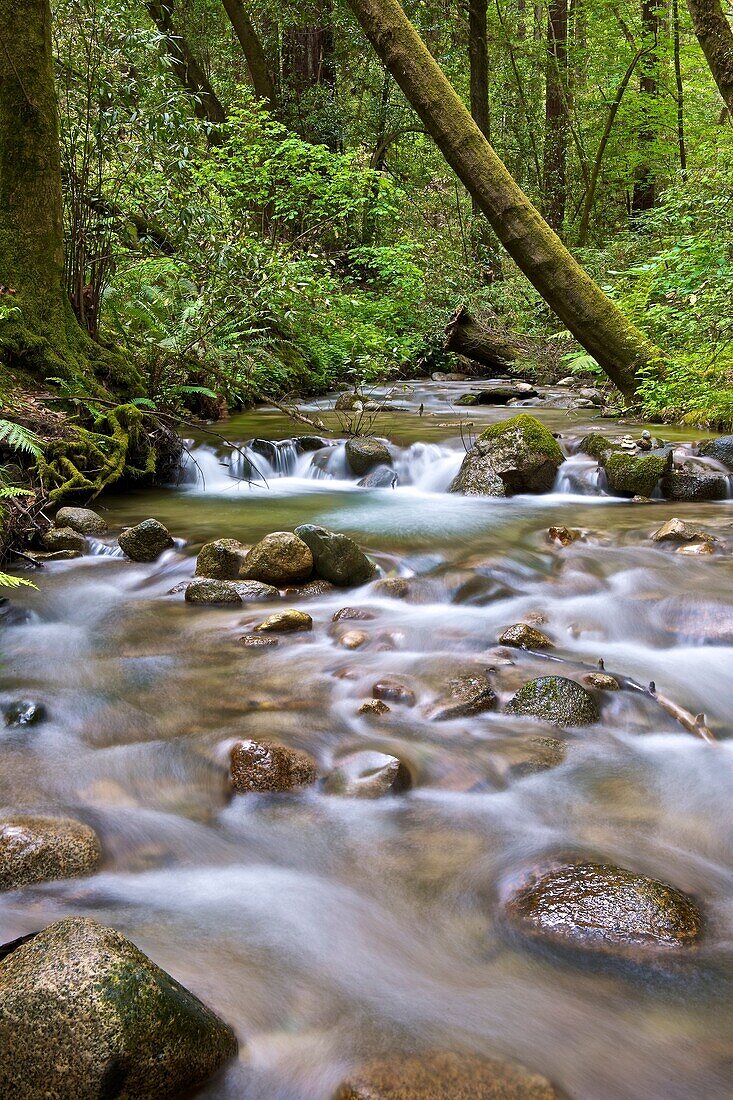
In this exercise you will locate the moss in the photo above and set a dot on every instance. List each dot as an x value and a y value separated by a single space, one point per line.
555 699
596 445
535 436
631 475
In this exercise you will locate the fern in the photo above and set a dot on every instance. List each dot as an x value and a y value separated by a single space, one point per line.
18 438
7 581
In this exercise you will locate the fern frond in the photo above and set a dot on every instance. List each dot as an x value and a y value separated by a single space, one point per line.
7 581
19 438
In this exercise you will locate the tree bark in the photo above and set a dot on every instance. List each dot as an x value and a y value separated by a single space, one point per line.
618 347
466 336
645 185
478 60
557 120
259 70
715 35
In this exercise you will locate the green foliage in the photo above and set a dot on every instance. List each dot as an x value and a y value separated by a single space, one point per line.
17 438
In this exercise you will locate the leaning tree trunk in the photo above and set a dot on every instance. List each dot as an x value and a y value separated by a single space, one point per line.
254 55
618 347
715 35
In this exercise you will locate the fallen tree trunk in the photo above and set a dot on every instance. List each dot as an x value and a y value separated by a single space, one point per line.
615 343
466 336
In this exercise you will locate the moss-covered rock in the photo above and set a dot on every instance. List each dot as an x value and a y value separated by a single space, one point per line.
64 538
336 557
633 475
280 558
365 452
267 766
368 775
597 446
43 849
519 455
555 699
145 541
85 1014
221 559
442 1075
83 520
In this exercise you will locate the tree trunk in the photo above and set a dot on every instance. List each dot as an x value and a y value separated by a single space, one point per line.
259 70
478 59
645 184
466 336
679 86
308 62
716 38
618 347
557 121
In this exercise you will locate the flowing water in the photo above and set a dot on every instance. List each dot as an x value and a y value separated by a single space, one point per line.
327 929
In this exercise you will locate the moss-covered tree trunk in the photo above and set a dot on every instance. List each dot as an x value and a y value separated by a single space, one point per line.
715 35
619 347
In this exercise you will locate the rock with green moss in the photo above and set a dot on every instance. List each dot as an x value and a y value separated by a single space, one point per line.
221 559
443 1075
598 446
145 541
633 475
336 557
519 455
43 849
83 520
555 699
363 453
64 538
85 1014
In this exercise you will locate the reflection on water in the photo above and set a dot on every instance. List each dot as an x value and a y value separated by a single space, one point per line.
325 929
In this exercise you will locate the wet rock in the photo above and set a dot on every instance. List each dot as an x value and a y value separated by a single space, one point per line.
64 538
358 614
631 475
499 395
267 766
383 477
601 907
540 755
468 399
43 849
85 1014
597 445
676 530
518 455
307 443
349 402
11 614
690 487
146 541
523 636
466 695
363 453
392 691
42 556
286 621
221 559
266 448
368 775
395 588
258 641
565 536
695 549
555 699
206 590
23 712
280 558
590 393
374 707
307 591
601 681
83 520
336 557
353 639
439 1075
696 619
721 449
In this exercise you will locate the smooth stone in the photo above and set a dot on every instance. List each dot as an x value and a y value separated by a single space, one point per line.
720 449
83 520
442 1075
601 681
284 621
84 1014
206 590
358 614
317 587
363 453
689 487
523 636
43 849
64 538
555 699
600 907
336 557
374 707
280 558
307 443
221 559
368 775
24 712
353 639
383 477
392 691
268 766
676 530
146 541
630 475
502 395
696 549
396 588
519 455
541 754
466 695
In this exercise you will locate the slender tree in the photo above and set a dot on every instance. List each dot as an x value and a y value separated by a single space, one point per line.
188 69
557 117
254 54
594 320
645 185
715 35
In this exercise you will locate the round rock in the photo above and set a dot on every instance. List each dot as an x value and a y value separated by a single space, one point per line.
64 538
267 766
221 559
146 541
280 558
43 849
365 452
83 520
281 622
393 691
208 591
441 1075
336 557
465 696
555 699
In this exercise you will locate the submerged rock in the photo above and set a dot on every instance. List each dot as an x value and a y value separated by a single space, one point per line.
601 907
83 520
720 449
23 712
281 622
336 557
374 708
633 476
555 699
523 636
540 755
358 614
280 558
695 618
676 530
393 691
519 455
307 591
383 477
146 541
64 538
368 775
686 486
221 559
206 590
85 1014
353 639
363 453
442 1075
466 695
565 536
395 588
43 849
258 641
267 766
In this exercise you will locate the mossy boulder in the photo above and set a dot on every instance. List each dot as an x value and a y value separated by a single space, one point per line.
443 1075
83 520
365 452
64 538
597 446
85 1014
268 767
280 558
721 449
633 475
43 849
368 775
221 559
519 455
555 699
600 907
206 590
336 557
145 541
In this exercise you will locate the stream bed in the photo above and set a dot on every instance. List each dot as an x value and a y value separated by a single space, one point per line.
329 929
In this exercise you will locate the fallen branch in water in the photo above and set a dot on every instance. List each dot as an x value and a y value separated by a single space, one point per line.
294 414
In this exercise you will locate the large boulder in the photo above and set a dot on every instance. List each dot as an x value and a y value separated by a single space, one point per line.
267 766
206 590
519 455
280 559
368 775
381 477
146 541
721 449
633 476
597 446
603 908
442 1075
555 699
336 557
689 486
85 1014
83 520
64 538
363 453
222 559
43 849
